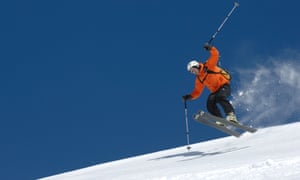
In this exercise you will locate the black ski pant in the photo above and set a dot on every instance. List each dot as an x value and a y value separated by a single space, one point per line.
220 97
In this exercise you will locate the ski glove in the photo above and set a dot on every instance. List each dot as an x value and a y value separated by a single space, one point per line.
207 46
187 97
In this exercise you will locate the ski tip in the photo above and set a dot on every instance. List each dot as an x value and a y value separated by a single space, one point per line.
236 4
253 131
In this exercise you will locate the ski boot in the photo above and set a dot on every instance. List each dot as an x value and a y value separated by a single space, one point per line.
232 117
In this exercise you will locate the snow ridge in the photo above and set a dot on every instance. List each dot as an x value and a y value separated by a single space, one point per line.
270 153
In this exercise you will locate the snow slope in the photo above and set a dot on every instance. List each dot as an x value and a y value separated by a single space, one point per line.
270 153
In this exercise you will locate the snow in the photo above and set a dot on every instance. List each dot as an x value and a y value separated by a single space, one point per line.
269 94
270 153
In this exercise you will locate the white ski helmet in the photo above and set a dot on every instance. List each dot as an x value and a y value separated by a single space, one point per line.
192 64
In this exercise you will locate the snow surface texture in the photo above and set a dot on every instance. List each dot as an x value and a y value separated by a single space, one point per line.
270 153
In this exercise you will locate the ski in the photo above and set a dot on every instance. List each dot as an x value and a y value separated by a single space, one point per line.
214 125
210 117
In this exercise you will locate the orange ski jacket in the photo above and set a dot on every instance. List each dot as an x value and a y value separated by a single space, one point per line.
213 81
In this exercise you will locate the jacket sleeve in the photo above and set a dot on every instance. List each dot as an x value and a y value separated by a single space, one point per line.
214 58
197 89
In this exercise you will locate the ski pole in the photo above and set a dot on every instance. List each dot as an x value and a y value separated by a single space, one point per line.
187 126
224 21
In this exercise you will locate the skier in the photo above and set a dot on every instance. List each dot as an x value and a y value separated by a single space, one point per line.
208 75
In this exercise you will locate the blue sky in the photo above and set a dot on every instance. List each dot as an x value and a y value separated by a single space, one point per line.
86 82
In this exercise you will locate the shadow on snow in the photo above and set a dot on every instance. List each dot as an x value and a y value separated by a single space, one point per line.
197 154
